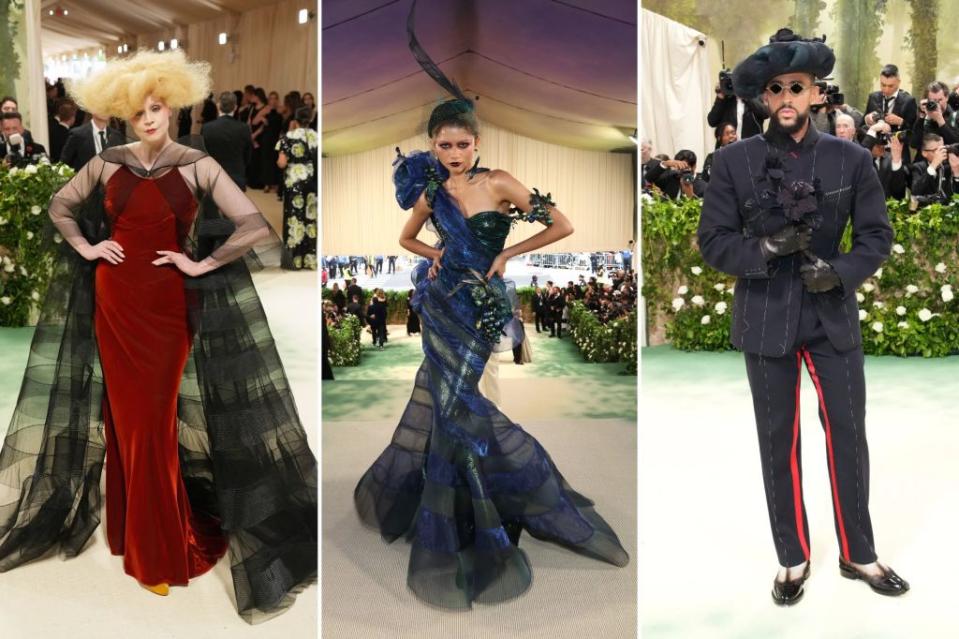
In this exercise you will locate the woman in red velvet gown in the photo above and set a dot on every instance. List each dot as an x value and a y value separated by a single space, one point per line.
203 446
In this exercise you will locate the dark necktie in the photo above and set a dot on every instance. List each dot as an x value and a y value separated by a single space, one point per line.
103 140
889 104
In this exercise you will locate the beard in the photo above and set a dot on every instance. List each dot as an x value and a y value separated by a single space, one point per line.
801 119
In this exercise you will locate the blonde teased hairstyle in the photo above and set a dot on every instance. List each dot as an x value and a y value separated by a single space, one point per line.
120 88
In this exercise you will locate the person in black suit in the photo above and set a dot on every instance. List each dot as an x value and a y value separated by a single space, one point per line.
19 148
228 140
794 300
935 116
60 125
746 118
725 135
888 159
935 177
556 304
895 105
353 288
87 141
537 305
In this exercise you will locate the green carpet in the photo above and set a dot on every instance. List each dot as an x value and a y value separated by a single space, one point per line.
557 383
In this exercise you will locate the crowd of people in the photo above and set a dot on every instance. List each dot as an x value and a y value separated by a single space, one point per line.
261 141
607 302
914 142
370 265
351 300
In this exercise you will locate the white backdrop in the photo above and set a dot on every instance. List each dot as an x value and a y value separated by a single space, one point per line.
595 189
677 87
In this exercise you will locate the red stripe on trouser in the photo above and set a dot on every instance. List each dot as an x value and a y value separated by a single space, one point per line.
794 467
832 459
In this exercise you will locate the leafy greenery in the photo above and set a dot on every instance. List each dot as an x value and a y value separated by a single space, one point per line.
396 303
26 256
907 308
345 342
805 19
611 342
10 12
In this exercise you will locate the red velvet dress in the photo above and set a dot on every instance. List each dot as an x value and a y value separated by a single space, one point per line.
144 340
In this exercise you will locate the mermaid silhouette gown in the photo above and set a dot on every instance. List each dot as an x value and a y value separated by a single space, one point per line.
459 479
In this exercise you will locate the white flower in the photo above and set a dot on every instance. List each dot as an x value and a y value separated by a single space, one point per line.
911 289
879 305
903 324
720 308
30 169
705 320
23 272
8 267
63 170
947 294
900 310
678 303
683 290
863 315
878 274
925 314
860 297
897 249
698 300
877 326
940 268
57 238
35 210
29 235
6 301
34 295
869 288
696 270
646 197
3 221
13 171
719 287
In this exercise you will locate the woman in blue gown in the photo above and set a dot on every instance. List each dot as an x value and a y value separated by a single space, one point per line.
459 479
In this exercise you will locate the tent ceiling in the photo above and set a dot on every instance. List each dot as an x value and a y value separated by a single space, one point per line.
93 23
562 71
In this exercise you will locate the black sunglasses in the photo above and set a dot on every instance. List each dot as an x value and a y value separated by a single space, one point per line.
796 88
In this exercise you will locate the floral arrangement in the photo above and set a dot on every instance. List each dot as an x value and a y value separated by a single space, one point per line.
345 342
908 307
26 254
611 342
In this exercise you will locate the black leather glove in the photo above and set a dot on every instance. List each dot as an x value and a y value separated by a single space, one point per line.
819 276
792 239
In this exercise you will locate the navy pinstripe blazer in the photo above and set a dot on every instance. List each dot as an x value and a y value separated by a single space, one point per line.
768 295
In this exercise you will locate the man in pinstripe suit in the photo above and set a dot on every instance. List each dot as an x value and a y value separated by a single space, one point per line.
773 216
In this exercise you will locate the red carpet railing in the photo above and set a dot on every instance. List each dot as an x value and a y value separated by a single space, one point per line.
907 308
27 241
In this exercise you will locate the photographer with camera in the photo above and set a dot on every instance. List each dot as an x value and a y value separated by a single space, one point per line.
677 176
887 148
890 103
830 104
744 116
935 116
20 150
934 176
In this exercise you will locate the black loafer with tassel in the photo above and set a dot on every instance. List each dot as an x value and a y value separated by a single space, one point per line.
888 583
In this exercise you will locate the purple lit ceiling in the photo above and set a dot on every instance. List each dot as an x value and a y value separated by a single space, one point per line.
561 71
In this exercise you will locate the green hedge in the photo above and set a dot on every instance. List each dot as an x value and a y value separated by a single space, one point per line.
907 307
26 256
345 342
612 342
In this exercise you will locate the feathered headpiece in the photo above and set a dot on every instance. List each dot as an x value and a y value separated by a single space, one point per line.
459 109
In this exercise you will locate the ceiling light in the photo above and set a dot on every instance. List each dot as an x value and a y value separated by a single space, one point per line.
304 15
174 44
222 38
161 45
